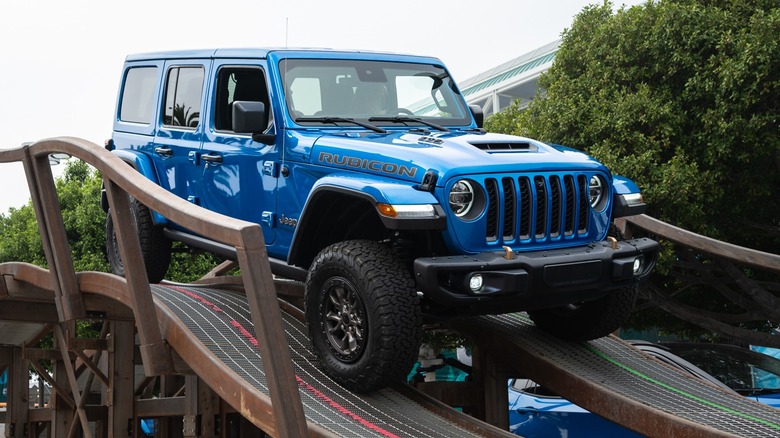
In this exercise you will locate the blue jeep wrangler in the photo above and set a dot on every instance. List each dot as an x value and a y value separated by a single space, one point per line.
375 183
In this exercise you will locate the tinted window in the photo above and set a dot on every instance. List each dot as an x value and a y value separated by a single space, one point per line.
235 83
183 90
138 95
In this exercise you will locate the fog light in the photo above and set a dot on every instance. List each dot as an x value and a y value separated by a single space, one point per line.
475 283
637 265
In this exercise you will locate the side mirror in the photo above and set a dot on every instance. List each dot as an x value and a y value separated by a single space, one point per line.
479 116
250 117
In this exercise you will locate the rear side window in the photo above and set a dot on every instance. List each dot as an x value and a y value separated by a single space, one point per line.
183 90
138 95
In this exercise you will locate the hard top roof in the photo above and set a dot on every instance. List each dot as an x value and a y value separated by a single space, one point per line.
261 53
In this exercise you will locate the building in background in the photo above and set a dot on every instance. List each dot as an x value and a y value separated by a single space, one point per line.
497 88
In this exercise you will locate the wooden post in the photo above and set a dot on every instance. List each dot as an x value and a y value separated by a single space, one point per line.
490 375
208 404
17 411
156 357
269 331
190 420
43 194
120 391
63 404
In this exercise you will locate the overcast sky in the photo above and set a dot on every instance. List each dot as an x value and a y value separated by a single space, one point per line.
61 60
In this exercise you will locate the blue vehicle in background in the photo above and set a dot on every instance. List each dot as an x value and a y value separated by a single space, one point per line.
534 411
374 182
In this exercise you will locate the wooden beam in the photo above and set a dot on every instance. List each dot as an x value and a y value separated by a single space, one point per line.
18 396
290 420
728 251
59 335
157 358
57 389
43 195
25 311
120 392
160 407
3 288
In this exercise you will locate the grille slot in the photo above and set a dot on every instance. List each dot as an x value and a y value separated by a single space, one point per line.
536 207
491 186
582 224
509 208
555 206
540 186
571 205
526 214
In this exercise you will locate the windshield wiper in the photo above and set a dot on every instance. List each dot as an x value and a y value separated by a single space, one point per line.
336 120
758 391
404 119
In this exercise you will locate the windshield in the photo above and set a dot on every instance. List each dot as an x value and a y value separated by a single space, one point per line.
321 91
743 370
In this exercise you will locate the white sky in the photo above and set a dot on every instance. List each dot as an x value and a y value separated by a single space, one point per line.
61 60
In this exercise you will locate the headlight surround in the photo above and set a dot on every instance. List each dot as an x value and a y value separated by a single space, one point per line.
597 189
462 197
467 199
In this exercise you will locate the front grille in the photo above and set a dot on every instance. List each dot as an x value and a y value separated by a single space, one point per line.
537 207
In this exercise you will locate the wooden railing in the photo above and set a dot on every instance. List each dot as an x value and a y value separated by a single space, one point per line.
743 279
121 181
707 245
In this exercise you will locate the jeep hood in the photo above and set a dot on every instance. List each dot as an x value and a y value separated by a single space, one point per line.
408 155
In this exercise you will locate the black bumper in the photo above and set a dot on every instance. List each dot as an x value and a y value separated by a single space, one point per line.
537 279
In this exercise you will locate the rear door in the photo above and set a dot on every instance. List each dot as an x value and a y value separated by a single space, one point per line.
180 133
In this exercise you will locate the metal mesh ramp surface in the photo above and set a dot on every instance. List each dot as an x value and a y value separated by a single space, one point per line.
222 322
626 372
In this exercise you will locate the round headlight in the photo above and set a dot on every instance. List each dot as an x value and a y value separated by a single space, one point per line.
461 198
595 191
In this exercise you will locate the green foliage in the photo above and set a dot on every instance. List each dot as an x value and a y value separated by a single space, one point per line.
78 191
19 237
682 97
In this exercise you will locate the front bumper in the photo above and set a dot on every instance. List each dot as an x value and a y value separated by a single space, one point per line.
514 280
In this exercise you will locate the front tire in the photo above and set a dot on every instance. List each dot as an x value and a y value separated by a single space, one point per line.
155 247
363 315
589 320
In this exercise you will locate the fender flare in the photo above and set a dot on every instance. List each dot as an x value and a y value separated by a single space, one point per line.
622 204
371 191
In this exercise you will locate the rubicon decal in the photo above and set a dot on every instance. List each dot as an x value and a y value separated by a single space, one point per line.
361 163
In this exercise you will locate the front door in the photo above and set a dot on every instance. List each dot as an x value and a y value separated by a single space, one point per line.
238 175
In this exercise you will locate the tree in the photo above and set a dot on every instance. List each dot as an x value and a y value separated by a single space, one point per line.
680 96
78 191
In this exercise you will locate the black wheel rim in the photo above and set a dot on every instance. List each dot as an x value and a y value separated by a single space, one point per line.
344 322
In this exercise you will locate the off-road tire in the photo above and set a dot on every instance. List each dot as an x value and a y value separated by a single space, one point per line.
155 247
589 320
359 287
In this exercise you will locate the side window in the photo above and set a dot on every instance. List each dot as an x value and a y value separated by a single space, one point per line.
183 91
238 84
138 95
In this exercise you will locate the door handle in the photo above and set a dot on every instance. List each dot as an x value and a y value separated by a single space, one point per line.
214 159
166 151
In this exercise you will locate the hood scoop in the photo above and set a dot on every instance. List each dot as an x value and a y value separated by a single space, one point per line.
505 146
